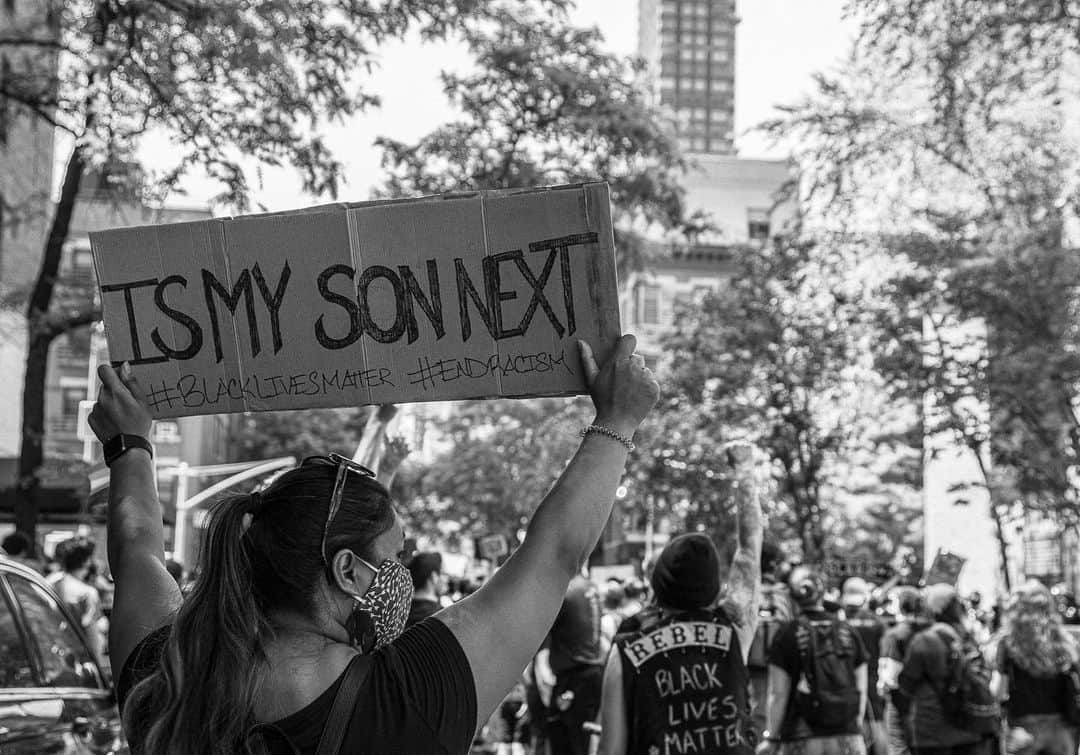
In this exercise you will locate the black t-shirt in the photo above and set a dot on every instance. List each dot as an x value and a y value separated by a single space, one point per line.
418 696
1031 695
784 653
574 639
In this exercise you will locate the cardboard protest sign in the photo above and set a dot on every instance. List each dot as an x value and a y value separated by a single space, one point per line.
839 569
463 296
945 568
493 547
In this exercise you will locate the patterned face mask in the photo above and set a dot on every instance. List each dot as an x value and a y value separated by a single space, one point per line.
386 602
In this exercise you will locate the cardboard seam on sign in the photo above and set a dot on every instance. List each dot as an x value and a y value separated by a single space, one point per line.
352 219
229 283
161 275
487 252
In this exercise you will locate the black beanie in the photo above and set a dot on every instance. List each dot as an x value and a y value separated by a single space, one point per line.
687 573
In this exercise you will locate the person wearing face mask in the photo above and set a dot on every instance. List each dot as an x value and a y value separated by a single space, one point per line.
291 638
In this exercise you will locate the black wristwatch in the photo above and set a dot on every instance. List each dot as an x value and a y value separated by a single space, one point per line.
118 445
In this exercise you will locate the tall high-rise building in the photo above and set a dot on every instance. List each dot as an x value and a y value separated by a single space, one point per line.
690 48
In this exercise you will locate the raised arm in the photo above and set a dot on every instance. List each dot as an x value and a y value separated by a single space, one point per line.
744 581
775 709
501 625
146 596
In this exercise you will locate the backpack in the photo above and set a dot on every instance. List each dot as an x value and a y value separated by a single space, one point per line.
775 609
1072 701
965 696
1070 706
826 696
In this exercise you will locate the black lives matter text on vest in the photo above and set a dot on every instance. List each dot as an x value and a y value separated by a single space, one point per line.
685 686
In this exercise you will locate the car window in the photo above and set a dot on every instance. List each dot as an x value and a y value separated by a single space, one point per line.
65 660
15 669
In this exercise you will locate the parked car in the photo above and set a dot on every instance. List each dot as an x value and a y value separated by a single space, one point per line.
53 695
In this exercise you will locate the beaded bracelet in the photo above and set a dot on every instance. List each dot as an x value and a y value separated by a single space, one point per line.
609 433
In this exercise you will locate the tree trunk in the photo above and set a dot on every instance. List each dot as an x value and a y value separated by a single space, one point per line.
31 447
1003 545
995 515
41 334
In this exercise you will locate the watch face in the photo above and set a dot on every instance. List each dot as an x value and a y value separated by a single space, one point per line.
113 446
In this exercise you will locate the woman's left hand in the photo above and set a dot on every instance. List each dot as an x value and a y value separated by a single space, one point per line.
120 407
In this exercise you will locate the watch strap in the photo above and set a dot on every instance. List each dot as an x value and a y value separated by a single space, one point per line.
119 444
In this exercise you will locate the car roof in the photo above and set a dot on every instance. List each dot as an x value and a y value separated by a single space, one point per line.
22 570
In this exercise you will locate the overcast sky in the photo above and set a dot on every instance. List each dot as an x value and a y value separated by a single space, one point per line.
779 45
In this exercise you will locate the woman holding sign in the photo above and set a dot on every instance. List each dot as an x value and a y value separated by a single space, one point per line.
291 640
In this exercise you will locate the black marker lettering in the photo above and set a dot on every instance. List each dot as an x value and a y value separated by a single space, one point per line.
465 286
495 295
195 334
273 301
538 296
432 305
563 244
372 328
242 288
347 303
129 304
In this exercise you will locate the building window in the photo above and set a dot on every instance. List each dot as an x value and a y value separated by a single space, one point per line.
75 346
757 224
72 393
166 431
82 260
650 305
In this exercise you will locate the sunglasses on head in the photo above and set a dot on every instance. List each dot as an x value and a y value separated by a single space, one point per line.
344 466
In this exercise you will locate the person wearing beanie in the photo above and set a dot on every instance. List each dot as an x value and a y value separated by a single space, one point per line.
855 600
678 681
920 685
817 678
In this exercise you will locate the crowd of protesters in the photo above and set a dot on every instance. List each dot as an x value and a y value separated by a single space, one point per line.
843 668
76 577
308 623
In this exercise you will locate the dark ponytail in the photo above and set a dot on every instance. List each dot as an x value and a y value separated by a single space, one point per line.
260 552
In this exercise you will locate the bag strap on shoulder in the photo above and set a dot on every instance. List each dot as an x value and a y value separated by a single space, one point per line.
333 735
807 644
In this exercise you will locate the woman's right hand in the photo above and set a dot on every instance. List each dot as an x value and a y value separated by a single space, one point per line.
623 389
